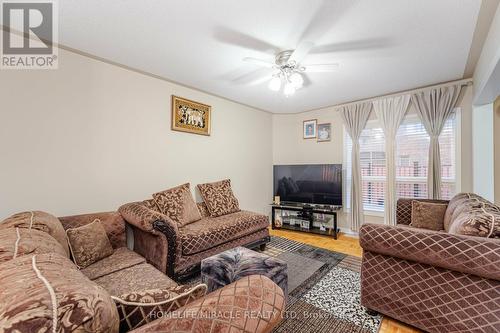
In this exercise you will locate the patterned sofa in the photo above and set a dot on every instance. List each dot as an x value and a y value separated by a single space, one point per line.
178 251
438 281
41 289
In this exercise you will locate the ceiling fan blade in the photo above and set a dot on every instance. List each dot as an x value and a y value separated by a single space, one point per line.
354 45
325 18
307 80
320 68
301 51
255 77
259 62
232 37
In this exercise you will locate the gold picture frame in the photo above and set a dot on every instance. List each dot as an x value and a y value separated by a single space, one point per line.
190 116
309 129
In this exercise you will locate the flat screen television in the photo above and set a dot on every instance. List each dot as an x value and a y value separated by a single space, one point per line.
319 184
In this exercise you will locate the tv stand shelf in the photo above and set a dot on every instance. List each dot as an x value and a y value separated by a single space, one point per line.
307 215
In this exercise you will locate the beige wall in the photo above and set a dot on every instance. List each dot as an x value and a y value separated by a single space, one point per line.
91 136
290 148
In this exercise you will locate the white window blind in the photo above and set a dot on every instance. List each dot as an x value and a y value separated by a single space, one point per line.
412 155
411 162
373 171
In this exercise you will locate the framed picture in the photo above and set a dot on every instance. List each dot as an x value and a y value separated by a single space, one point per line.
310 129
324 132
190 116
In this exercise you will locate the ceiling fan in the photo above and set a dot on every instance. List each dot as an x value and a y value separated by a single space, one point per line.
289 70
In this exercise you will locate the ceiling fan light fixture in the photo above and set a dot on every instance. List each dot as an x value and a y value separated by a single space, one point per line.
289 89
275 83
297 80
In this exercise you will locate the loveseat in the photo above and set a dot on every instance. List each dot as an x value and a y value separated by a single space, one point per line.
41 289
178 250
437 280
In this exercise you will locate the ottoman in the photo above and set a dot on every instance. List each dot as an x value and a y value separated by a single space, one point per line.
226 267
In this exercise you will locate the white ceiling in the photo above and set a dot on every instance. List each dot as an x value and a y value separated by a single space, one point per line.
382 46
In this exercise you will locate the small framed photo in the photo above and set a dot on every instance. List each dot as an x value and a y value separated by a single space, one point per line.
324 132
310 129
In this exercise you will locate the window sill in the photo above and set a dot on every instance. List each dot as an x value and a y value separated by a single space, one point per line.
368 212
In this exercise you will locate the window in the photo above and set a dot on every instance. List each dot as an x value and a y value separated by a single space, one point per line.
372 161
412 149
413 144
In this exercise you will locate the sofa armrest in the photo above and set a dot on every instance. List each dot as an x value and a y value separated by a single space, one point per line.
471 255
155 235
403 208
253 304
144 218
112 221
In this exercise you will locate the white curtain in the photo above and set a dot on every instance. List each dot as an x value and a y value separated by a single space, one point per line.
391 112
355 117
434 107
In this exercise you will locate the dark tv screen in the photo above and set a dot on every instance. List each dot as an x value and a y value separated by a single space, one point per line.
309 184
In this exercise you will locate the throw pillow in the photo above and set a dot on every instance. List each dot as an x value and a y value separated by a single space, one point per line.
427 215
177 203
89 243
141 307
219 198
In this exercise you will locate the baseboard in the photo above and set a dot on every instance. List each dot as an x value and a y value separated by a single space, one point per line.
349 232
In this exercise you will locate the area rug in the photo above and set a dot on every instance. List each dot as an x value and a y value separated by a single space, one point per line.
323 290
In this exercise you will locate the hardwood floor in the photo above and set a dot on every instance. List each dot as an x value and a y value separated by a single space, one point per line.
348 245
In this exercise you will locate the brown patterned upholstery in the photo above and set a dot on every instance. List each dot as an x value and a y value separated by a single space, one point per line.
112 221
253 304
472 255
428 297
434 280
26 304
178 251
185 263
120 259
16 242
178 204
141 307
89 243
38 220
165 249
470 214
152 246
219 198
136 278
202 207
403 209
209 232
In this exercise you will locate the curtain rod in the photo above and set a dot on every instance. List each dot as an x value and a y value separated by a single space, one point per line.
463 83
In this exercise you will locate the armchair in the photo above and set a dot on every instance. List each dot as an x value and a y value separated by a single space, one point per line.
434 280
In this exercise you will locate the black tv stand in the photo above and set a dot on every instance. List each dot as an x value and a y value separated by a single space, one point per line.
306 213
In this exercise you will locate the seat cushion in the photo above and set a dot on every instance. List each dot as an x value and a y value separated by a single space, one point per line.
16 242
40 221
210 232
134 279
32 286
120 259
